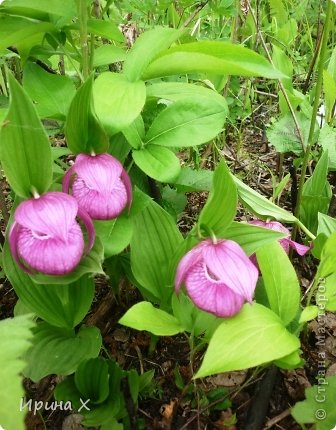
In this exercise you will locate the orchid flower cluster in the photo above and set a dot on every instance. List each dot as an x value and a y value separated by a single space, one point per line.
46 236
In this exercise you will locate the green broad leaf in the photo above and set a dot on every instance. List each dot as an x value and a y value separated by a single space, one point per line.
309 313
328 297
61 305
220 58
135 133
221 206
146 47
194 180
15 337
328 258
90 264
54 7
140 201
290 361
92 380
60 351
98 414
327 139
13 30
105 29
115 235
329 86
191 318
144 316
174 202
157 162
282 62
52 94
179 90
154 242
108 54
249 341
280 281
316 194
283 134
24 146
326 224
259 205
187 122
133 383
318 245
83 131
251 237
118 100
319 406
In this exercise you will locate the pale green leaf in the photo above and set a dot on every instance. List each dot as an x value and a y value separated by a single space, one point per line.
24 146
319 406
220 58
144 316
15 336
83 131
154 242
284 136
118 101
52 94
221 206
327 139
157 162
280 281
187 122
248 338
108 54
146 47
259 205
179 90
251 237
115 235
105 29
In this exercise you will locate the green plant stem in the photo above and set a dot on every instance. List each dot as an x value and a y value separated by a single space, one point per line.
318 90
82 16
305 230
312 291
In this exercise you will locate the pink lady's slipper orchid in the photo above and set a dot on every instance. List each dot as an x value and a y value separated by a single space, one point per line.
100 185
287 242
45 236
219 277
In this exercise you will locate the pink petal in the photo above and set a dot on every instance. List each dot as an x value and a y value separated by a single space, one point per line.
211 296
66 180
52 214
186 263
13 238
87 221
100 205
300 249
51 256
228 263
128 185
100 172
272 225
